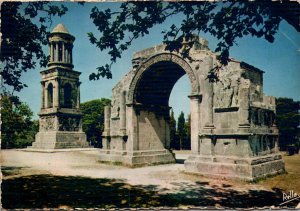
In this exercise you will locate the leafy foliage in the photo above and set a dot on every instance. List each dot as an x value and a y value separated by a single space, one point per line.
181 136
22 39
18 129
173 136
227 21
288 119
93 120
187 131
181 129
24 28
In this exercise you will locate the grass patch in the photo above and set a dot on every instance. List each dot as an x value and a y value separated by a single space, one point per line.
10 170
286 181
264 178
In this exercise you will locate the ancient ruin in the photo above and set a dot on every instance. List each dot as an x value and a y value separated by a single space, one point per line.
233 133
60 117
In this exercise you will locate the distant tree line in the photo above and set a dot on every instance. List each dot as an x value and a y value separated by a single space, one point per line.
288 122
180 132
93 120
18 128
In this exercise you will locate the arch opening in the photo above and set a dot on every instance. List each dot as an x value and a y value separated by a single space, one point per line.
151 98
180 118
67 95
156 83
50 95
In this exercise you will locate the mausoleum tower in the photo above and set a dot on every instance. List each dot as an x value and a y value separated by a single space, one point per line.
60 117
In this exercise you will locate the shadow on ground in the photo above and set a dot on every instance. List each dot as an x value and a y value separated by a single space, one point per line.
48 191
180 161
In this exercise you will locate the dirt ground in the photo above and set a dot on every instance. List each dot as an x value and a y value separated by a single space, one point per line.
75 179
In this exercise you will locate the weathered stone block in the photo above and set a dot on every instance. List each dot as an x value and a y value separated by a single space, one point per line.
60 140
235 167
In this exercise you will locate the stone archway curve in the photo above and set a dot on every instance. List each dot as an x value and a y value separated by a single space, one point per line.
170 57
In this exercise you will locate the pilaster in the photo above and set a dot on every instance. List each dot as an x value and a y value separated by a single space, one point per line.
107 112
123 113
56 93
195 101
208 87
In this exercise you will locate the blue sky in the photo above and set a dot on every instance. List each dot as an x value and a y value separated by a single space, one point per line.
280 60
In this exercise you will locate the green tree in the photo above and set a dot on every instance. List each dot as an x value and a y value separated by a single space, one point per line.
18 130
173 137
181 129
93 120
227 21
25 30
287 119
187 131
25 27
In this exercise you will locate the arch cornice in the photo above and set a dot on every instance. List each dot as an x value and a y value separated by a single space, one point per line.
170 57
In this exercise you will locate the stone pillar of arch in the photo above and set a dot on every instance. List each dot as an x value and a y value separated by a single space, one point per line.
123 113
107 118
195 101
208 96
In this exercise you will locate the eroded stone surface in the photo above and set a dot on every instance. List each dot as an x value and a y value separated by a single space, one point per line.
232 121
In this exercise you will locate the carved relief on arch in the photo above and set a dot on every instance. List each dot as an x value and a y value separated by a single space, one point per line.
160 58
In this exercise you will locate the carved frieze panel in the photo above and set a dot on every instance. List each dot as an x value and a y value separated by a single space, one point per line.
116 98
47 123
69 123
226 89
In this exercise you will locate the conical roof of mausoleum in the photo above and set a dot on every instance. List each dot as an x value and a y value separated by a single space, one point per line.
60 28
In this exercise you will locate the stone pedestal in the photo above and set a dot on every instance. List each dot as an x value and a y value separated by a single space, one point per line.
242 156
59 140
235 167
137 158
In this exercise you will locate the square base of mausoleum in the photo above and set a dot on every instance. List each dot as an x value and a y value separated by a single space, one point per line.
60 140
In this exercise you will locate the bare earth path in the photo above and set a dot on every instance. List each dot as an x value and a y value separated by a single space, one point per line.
76 179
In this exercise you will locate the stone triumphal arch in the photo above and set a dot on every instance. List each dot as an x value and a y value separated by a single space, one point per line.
232 122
